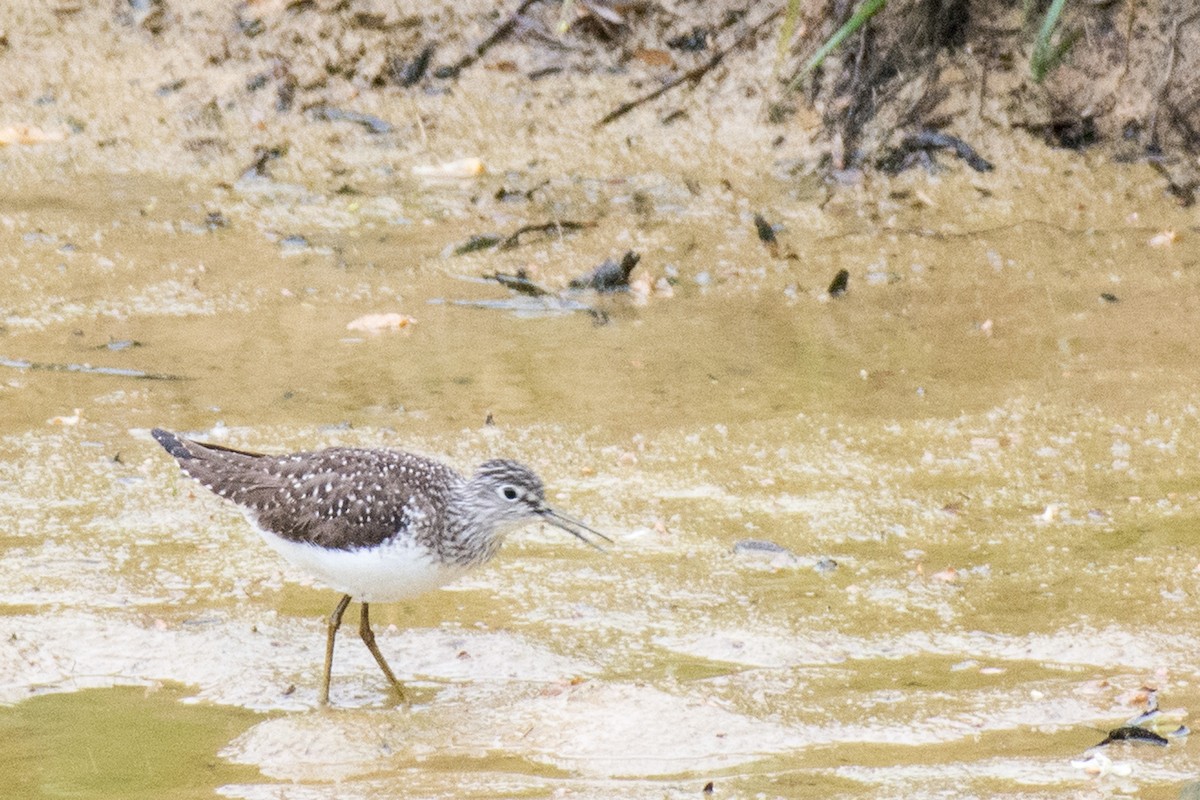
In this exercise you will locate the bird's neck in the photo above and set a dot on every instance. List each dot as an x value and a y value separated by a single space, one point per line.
472 537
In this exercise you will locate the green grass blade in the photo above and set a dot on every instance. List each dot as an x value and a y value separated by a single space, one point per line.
790 17
864 13
1046 56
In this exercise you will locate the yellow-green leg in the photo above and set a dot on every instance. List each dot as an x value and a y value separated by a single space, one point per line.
368 637
335 622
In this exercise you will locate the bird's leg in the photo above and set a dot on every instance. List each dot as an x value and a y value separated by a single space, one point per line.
368 637
335 622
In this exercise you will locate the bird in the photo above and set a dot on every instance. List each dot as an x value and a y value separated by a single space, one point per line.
377 525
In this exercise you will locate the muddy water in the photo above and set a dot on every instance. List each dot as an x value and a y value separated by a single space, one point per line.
983 474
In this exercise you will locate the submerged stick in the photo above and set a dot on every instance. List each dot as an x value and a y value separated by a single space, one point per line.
118 372
559 227
692 75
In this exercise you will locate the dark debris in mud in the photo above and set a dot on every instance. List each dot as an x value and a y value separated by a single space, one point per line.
610 276
557 227
766 233
916 65
1135 734
520 283
918 149
490 241
370 122
840 283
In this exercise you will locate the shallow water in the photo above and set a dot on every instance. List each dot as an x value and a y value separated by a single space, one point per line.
999 461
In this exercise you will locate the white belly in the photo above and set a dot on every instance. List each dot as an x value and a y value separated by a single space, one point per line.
394 571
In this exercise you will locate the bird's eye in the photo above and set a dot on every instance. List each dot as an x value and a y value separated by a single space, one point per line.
509 493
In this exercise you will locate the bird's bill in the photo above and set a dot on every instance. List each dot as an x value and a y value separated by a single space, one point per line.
574 527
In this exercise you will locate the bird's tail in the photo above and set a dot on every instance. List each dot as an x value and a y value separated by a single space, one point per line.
172 443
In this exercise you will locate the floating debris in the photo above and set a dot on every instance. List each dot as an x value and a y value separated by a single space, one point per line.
116 345
1153 720
375 323
769 555
611 276
67 421
1049 514
118 372
527 306
369 121
757 546
480 241
461 168
531 299
1152 711
1099 764
1163 239
1109 297
29 134
947 575
521 283
293 243
1133 733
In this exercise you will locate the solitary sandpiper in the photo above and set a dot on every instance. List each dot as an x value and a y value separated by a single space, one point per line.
376 525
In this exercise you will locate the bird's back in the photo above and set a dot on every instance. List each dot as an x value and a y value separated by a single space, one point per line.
338 499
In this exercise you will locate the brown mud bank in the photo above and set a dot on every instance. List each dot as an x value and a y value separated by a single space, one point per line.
179 87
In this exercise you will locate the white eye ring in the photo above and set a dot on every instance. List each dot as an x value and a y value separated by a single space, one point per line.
509 493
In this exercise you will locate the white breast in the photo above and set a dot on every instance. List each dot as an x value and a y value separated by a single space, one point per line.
394 571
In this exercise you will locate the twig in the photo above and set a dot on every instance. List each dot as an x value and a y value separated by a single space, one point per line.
692 75
519 283
505 28
556 226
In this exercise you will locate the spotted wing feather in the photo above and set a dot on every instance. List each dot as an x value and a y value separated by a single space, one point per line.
341 498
